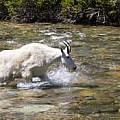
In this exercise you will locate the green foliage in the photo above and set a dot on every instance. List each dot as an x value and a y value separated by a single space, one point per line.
86 4
106 5
13 6
39 2
36 9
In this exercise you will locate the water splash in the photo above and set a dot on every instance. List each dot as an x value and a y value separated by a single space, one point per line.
31 85
58 77
61 76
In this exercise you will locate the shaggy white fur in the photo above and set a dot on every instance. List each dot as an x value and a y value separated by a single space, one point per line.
31 60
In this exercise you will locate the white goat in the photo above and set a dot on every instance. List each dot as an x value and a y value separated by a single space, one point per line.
32 60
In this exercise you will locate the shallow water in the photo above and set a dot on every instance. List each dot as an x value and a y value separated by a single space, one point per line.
91 92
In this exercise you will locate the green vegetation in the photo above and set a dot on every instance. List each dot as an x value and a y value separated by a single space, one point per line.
61 10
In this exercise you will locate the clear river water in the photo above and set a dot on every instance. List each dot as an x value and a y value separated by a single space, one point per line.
92 92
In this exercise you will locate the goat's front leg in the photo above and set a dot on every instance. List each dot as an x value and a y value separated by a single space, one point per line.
40 78
44 77
27 75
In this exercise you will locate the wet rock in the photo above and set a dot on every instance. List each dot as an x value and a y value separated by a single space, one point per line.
117 92
12 116
114 74
30 93
91 110
32 109
85 84
90 98
109 110
94 109
88 93
5 104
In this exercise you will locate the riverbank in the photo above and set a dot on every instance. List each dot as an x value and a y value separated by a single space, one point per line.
91 12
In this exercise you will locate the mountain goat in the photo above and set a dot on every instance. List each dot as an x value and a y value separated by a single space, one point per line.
32 60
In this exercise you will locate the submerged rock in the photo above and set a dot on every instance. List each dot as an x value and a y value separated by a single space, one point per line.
32 109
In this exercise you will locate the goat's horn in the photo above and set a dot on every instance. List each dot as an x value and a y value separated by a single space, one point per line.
68 46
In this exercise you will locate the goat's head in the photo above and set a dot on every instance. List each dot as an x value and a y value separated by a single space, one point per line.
66 58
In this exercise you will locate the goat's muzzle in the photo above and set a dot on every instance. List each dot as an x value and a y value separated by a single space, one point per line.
75 67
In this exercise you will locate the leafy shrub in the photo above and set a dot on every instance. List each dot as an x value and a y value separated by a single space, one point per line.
56 10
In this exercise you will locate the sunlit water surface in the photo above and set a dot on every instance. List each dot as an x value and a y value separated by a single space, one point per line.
90 92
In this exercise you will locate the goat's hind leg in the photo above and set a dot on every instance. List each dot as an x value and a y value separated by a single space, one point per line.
4 74
44 77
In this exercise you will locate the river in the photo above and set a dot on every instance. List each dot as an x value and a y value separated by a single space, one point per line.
92 92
